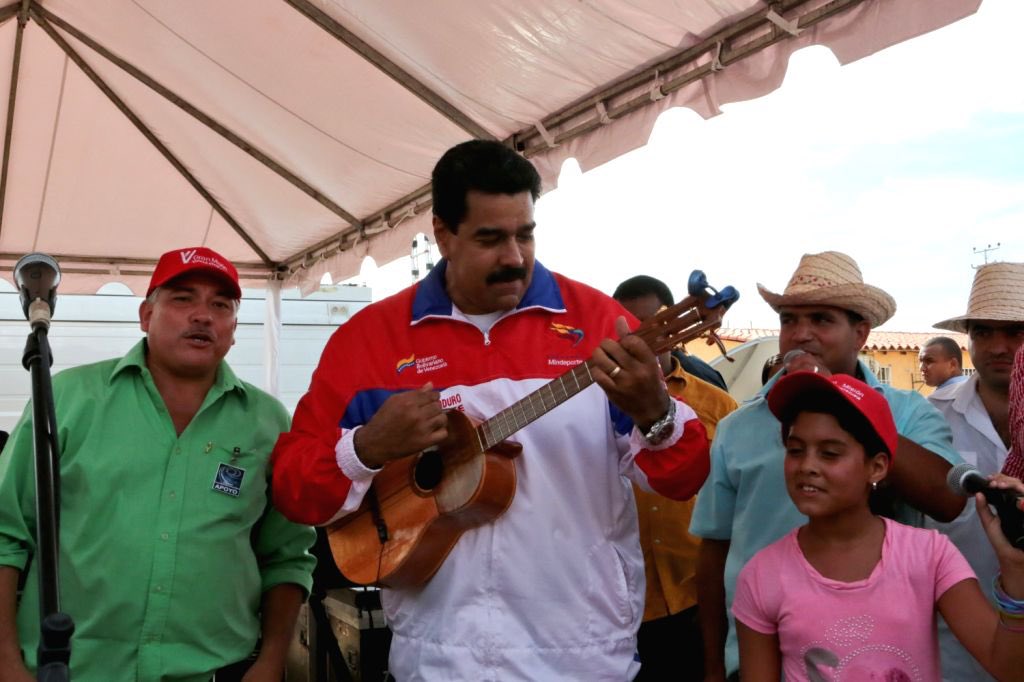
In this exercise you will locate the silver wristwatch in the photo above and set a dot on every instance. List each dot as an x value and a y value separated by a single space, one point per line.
662 429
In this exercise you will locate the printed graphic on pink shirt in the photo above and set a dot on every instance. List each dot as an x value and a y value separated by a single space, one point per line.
847 654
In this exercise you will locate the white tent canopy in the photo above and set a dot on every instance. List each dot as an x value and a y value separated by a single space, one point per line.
296 137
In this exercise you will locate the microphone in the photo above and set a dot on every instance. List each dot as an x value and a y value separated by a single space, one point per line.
37 276
792 355
964 479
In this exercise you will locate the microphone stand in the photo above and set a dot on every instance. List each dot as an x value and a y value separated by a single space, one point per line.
54 651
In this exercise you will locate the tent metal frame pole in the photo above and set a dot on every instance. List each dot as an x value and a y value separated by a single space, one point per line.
260 275
670 63
397 73
104 260
638 87
8 11
22 11
141 267
149 135
198 114
417 199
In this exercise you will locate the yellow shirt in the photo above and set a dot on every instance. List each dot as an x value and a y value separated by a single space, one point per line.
670 552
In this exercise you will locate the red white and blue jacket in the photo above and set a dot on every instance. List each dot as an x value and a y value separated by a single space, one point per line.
554 588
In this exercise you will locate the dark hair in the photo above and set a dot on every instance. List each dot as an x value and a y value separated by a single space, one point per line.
949 347
769 365
643 285
482 165
850 420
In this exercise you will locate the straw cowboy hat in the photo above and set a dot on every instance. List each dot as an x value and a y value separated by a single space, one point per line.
833 279
997 294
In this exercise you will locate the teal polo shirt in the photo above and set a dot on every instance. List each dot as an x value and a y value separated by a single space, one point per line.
744 499
162 573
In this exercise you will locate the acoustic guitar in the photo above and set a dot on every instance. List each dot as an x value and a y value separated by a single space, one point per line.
419 506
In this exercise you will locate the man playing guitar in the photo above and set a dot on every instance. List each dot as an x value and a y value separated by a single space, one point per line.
553 587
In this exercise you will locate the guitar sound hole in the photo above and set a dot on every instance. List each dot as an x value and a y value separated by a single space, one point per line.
429 470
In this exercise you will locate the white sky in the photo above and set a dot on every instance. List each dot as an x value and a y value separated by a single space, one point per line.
907 160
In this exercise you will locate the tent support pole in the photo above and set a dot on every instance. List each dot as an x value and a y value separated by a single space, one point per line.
272 339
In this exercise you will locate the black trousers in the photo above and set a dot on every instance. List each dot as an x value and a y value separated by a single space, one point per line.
671 648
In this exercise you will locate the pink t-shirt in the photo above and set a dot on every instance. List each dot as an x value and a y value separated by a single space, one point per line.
881 628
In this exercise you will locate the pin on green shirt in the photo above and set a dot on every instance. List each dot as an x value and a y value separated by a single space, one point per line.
165 548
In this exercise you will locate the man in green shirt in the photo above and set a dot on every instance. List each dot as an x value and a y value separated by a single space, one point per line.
171 554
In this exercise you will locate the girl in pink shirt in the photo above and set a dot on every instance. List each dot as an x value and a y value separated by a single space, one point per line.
850 595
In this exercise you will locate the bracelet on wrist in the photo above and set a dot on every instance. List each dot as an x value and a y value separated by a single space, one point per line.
1007 605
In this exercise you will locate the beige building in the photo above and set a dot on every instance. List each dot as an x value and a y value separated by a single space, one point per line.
891 355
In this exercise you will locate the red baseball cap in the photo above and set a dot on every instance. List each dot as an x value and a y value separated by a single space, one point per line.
800 387
176 263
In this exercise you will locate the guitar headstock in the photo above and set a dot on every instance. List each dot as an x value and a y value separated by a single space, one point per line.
699 314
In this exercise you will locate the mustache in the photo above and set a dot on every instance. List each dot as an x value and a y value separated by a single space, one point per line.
198 330
506 275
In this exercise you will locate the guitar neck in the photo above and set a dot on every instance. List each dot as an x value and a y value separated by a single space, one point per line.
534 406
677 324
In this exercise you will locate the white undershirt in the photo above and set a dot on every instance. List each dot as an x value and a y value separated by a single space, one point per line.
482 322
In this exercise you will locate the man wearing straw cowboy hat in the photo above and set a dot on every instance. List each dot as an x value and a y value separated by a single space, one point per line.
825 313
978 413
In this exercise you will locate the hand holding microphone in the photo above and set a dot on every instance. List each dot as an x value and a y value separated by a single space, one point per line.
797 360
1007 497
1009 585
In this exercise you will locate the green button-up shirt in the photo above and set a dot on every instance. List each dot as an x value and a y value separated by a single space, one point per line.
162 573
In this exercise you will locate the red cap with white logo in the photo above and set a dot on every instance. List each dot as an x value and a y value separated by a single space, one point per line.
799 388
176 263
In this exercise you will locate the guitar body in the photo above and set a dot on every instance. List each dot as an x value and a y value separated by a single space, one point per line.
425 502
